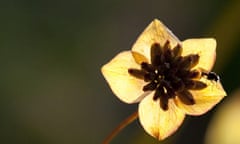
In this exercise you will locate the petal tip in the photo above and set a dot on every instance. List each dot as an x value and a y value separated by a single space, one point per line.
157 135
103 69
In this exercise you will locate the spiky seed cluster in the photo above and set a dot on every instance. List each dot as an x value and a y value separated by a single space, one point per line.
170 74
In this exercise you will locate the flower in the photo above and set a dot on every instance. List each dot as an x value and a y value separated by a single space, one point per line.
168 78
224 127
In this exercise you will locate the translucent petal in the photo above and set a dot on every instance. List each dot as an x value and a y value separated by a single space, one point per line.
139 58
205 99
126 87
205 48
156 32
157 122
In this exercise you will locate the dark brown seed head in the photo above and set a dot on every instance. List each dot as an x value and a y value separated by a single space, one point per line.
169 74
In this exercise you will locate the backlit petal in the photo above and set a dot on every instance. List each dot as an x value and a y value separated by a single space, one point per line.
157 122
139 58
126 87
205 99
156 32
205 48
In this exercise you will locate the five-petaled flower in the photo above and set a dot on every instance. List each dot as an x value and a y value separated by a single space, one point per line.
168 77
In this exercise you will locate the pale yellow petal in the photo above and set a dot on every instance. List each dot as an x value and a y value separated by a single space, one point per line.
157 122
139 58
126 87
205 48
156 32
205 99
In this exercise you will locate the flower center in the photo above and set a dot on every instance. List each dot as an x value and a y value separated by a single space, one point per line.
170 74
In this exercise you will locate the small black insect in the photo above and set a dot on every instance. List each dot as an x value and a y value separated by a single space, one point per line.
211 76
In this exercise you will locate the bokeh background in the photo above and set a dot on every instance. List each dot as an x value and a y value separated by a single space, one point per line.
51 52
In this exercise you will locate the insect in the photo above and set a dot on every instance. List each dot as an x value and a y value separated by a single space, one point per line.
211 76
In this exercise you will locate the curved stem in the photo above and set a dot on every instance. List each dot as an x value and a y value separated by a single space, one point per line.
122 125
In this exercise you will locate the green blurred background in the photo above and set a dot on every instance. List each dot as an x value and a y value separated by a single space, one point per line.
51 52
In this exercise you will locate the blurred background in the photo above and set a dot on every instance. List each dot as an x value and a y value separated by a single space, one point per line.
51 52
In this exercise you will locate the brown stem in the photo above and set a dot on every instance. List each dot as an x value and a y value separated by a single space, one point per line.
122 125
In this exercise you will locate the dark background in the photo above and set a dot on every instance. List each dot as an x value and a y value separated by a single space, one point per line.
51 52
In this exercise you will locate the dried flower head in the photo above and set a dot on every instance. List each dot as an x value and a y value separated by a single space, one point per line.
168 77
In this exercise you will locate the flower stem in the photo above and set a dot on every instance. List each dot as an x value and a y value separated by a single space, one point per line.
122 125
